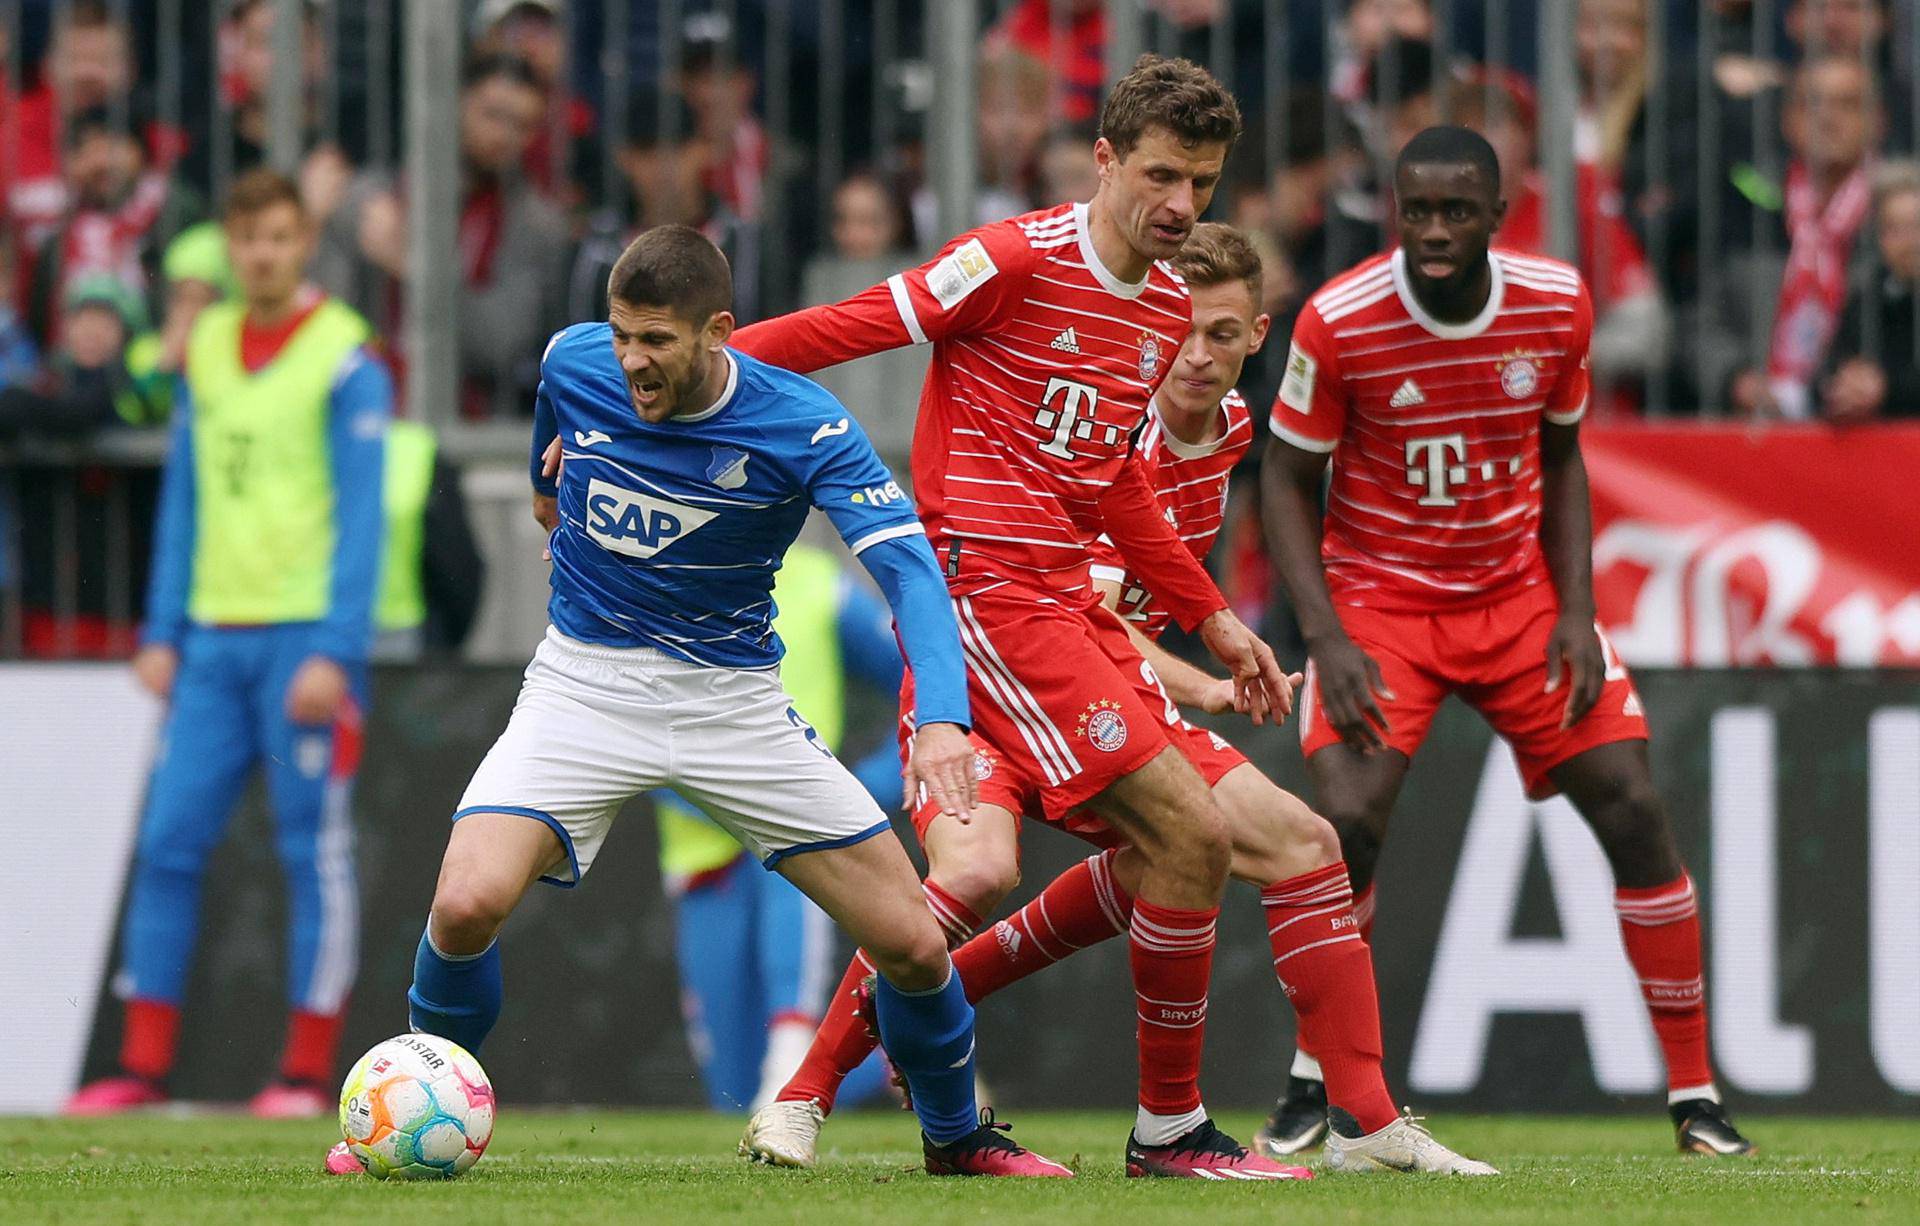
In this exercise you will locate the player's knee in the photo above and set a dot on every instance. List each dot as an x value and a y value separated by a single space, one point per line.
1631 824
913 960
467 913
980 883
1315 840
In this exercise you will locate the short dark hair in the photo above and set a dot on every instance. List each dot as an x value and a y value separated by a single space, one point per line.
260 189
1402 69
1451 145
675 267
483 68
128 122
1216 253
1177 95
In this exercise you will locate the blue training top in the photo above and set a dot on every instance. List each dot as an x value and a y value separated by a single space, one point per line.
670 532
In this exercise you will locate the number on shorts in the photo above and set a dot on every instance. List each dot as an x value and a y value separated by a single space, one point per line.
1153 679
812 734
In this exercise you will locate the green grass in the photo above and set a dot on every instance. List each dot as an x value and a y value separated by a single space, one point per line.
607 1167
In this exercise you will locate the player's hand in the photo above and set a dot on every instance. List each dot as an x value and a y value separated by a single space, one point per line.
154 667
1350 683
317 692
1575 645
550 460
1260 689
942 763
1218 697
546 513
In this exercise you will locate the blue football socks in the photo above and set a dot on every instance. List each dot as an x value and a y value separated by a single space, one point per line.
456 996
929 1035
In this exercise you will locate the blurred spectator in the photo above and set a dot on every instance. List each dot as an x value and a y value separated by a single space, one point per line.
1012 127
89 66
103 373
1069 37
1763 339
663 162
1873 369
1632 331
719 90
1362 32
536 31
1856 29
869 220
511 246
246 64
121 213
19 355
1405 85
1655 172
1068 170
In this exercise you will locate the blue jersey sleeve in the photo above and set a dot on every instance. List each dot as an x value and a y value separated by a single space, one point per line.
172 572
875 518
546 424
361 406
867 645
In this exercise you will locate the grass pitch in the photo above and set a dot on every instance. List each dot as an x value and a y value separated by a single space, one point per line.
605 1167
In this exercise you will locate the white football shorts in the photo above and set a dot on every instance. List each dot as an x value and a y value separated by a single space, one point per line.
596 726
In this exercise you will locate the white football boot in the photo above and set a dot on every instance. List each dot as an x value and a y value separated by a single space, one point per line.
1404 1145
783 1133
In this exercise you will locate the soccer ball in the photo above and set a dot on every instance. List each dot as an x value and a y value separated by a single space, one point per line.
417 1107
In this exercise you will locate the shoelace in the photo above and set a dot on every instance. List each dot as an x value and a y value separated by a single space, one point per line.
1208 1139
991 1134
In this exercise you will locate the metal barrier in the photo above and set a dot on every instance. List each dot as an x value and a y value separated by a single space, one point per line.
1665 142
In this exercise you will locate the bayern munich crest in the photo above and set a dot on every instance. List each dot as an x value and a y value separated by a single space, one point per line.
982 766
1149 358
1103 725
1519 377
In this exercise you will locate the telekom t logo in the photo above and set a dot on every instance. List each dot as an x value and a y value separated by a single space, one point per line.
1436 465
1073 418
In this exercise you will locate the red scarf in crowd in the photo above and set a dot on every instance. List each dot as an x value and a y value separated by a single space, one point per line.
1815 286
98 241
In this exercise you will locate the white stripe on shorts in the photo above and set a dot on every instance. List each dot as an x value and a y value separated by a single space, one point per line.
1049 747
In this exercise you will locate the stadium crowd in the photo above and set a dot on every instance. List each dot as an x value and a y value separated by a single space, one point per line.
1747 209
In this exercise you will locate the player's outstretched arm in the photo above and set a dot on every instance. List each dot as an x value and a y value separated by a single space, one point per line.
942 757
969 286
1566 539
1349 679
1185 685
1133 519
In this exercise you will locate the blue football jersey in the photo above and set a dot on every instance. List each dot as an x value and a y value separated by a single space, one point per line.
670 533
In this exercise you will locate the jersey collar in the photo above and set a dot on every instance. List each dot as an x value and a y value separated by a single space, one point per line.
1178 446
1112 284
726 395
1446 331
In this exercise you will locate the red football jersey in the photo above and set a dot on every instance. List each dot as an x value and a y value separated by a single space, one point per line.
1190 481
1435 499
1043 365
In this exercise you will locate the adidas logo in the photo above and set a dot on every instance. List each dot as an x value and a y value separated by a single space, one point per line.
1067 342
1408 395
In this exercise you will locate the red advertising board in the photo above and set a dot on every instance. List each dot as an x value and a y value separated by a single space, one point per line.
1788 545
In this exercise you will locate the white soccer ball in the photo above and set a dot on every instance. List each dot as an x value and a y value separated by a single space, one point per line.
417 1107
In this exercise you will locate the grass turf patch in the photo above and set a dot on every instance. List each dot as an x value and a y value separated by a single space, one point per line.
602 1166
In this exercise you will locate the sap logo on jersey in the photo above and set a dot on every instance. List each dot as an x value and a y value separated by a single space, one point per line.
880 495
636 524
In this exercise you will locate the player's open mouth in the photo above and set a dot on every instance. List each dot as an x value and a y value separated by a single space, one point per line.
1437 265
645 393
1171 234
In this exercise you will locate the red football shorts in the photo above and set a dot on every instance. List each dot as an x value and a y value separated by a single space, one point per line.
1495 657
1063 705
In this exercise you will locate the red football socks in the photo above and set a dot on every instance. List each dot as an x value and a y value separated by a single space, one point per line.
843 1042
149 1037
1082 906
1326 970
1171 951
1661 929
313 1044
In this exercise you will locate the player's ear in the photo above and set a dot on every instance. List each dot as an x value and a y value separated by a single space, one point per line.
1261 323
719 329
1499 214
1104 158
